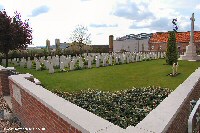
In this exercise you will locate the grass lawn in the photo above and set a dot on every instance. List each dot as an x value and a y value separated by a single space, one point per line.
118 77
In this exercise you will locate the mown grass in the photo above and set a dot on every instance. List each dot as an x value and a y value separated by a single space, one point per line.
117 77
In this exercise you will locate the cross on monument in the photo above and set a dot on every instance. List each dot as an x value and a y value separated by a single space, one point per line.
192 29
191 54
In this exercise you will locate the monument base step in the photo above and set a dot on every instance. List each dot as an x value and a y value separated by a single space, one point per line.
189 57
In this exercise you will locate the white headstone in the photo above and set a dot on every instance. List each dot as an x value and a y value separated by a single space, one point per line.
122 59
133 58
72 65
128 59
137 58
4 62
97 62
158 55
51 69
38 66
35 59
22 63
29 64
177 67
89 63
46 63
104 62
62 66
116 60
110 60
173 69
81 64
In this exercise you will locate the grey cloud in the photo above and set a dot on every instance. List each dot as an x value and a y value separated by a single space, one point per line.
131 11
39 10
160 24
103 25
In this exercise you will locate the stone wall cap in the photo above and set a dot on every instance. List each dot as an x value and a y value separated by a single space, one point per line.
162 116
78 117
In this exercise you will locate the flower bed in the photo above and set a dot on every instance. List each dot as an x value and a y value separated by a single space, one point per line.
122 108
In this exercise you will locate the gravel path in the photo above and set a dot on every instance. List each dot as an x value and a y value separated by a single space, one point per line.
12 125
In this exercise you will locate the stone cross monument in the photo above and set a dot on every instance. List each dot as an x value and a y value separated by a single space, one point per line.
190 53
192 29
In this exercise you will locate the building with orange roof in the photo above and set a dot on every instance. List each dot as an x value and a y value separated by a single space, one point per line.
158 41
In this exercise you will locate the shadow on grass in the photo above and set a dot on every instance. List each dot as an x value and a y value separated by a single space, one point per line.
176 74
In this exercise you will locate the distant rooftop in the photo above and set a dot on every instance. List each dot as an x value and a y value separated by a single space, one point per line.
135 36
180 37
62 46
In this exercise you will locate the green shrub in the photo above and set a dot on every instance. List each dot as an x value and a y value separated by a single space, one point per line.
122 108
85 63
172 51
43 66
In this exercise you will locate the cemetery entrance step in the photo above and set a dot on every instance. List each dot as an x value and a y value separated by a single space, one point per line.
8 101
8 122
6 112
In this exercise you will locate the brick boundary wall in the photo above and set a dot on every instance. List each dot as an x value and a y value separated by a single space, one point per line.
171 115
184 113
4 83
36 106
33 114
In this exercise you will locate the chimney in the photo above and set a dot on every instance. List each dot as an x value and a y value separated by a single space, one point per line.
111 43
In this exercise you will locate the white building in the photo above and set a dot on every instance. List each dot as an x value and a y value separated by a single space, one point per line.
132 43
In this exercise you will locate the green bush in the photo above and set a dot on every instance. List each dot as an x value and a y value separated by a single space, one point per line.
43 66
77 67
85 62
122 108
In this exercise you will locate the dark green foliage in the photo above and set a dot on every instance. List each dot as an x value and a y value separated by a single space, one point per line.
14 33
33 65
85 63
100 50
77 67
43 66
122 108
172 51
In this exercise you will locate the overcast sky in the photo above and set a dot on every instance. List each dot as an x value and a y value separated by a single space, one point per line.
51 19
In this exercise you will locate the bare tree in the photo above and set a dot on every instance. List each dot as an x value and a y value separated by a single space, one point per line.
80 37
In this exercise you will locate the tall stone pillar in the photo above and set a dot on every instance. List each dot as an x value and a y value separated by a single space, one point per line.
111 43
57 42
48 45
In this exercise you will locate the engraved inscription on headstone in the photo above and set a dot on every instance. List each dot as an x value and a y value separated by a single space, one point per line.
17 94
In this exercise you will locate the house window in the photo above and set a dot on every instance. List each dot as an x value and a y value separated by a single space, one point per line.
152 47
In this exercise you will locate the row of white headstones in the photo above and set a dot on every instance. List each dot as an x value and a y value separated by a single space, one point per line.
69 62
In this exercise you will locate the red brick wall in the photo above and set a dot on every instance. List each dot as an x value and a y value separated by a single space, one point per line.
33 114
4 85
180 123
164 46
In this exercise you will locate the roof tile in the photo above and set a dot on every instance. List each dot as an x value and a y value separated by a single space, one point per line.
180 37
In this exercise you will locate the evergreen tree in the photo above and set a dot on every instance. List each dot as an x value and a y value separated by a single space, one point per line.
172 51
